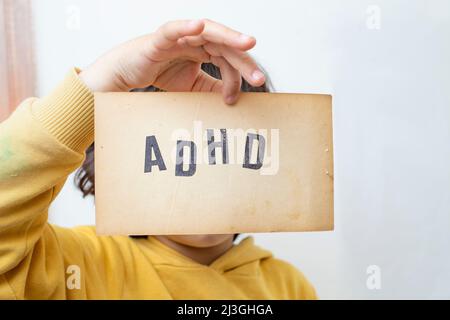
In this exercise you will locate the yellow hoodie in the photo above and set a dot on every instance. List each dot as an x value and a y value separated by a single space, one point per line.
41 143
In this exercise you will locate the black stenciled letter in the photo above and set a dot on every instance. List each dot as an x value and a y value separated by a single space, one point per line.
219 144
152 144
179 161
248 148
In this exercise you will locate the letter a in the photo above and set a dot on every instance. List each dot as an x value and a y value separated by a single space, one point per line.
152 144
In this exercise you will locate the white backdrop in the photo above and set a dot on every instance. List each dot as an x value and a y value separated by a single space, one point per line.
387 64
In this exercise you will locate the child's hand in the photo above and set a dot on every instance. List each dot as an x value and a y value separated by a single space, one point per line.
170 59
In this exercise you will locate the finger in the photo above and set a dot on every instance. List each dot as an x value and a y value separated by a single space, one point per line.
220 34
167 35
183 51
231 80
239 60
194 41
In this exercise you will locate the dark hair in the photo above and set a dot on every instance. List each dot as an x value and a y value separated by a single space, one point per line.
85 175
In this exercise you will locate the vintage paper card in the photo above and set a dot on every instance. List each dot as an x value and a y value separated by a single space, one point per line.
186 163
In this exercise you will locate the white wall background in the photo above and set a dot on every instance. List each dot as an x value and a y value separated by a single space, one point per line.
390 83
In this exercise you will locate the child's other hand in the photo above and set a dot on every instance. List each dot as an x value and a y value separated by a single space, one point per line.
170 59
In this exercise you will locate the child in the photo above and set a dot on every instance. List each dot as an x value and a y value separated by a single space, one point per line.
46 139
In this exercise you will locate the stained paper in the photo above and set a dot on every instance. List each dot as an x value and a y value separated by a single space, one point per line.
187 163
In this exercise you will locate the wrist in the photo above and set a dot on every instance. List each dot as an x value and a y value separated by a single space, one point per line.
98 79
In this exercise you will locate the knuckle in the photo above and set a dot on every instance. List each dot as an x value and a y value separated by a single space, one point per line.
236 83
246 58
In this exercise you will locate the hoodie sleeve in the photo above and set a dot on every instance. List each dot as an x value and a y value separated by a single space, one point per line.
41 143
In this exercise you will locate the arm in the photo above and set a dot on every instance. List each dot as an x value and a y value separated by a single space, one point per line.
40 144
45 139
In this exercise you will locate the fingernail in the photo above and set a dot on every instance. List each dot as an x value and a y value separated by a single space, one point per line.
257 75
245 38
194 23
230 99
